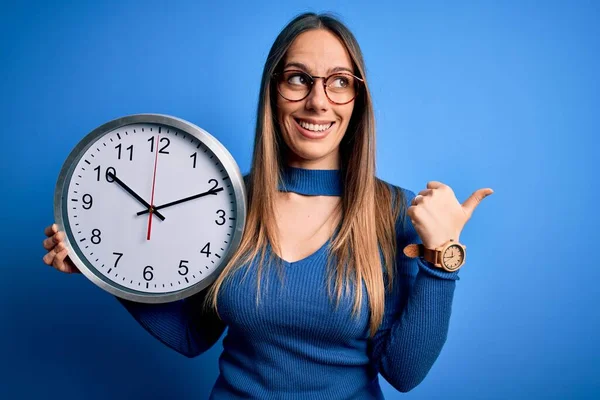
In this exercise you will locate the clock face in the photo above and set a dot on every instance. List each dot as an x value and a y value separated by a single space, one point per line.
453 257
174 249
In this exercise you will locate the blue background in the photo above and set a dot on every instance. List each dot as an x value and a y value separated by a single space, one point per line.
473 94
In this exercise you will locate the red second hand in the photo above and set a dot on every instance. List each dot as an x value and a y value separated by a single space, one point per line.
153 182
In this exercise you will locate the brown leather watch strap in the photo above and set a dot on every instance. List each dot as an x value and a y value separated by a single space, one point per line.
418 250
431 255
412 250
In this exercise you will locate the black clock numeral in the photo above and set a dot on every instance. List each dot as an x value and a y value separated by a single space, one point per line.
221 217
216 184
194 156
111 170
87 201
206 250
162 139
130 148
148 275
162 150
96 239
118 258
182 265
108 178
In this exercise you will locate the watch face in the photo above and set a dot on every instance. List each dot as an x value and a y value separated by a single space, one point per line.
453 257
173 250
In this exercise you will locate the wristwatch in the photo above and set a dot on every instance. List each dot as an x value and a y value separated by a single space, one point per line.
450 256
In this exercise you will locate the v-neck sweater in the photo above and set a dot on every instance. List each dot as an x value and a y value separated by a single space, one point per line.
295 344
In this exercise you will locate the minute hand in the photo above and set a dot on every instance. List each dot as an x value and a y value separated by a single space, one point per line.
215 191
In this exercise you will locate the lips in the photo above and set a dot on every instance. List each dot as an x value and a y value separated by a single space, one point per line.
313 129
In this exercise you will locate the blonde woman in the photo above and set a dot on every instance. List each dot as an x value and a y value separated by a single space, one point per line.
319 221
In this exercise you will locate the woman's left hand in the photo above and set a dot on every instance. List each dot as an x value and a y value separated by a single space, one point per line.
437 214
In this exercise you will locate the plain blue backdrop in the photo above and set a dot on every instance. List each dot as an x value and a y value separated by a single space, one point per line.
473 94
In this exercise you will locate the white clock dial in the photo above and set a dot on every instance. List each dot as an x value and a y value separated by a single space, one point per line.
192 229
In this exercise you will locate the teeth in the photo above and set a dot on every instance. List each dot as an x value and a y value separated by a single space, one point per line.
314 127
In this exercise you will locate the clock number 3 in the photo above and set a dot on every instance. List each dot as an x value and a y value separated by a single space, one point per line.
221 217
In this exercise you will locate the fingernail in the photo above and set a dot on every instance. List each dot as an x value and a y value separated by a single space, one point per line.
54 227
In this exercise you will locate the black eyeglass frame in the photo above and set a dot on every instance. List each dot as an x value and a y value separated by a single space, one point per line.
312 84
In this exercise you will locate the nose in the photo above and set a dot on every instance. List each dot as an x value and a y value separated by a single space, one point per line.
317 99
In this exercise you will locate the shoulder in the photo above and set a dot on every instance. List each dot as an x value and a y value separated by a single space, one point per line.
397 192
401 198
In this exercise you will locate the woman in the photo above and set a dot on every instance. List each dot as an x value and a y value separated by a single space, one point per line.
318 222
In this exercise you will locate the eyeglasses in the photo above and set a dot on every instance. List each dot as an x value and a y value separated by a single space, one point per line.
295 85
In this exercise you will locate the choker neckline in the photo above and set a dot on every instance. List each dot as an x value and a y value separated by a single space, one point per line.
311 182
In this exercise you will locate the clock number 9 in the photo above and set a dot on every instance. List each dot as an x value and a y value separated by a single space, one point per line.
221 217
108 178
148 273
87 200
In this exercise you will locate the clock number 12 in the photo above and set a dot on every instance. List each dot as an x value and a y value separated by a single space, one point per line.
162 139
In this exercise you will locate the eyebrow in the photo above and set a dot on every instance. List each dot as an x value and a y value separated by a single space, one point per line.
305 68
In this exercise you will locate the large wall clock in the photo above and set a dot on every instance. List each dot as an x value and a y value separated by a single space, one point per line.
152 207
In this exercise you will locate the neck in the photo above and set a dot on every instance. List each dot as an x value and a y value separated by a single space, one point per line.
330 161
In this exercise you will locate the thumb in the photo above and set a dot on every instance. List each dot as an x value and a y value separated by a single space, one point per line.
474 200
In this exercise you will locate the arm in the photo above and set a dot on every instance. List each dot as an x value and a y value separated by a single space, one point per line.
417 316
181 325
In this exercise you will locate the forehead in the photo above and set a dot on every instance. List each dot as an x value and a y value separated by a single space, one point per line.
320 50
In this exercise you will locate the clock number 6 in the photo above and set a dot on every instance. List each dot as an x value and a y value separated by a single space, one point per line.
221 217
148 273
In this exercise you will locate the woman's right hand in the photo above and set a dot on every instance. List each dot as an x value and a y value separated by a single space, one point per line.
57 255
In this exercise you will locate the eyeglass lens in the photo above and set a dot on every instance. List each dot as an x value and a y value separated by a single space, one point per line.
296 85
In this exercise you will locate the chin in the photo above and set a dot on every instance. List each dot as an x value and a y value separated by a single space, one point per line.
313 154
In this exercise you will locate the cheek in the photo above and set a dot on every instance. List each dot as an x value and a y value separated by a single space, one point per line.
345 114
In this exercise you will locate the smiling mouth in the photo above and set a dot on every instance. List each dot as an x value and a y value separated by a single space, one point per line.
313 127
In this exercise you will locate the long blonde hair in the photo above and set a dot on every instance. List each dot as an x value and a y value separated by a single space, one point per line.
367 217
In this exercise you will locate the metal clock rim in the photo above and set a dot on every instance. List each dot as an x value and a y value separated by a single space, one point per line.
206 138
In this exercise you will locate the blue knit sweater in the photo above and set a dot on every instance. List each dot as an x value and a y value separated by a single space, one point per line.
296 345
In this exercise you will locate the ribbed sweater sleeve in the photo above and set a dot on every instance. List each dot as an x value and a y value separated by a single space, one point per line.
182 325
417 315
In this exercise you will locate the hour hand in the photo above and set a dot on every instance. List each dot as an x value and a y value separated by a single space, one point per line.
134 194
212 191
